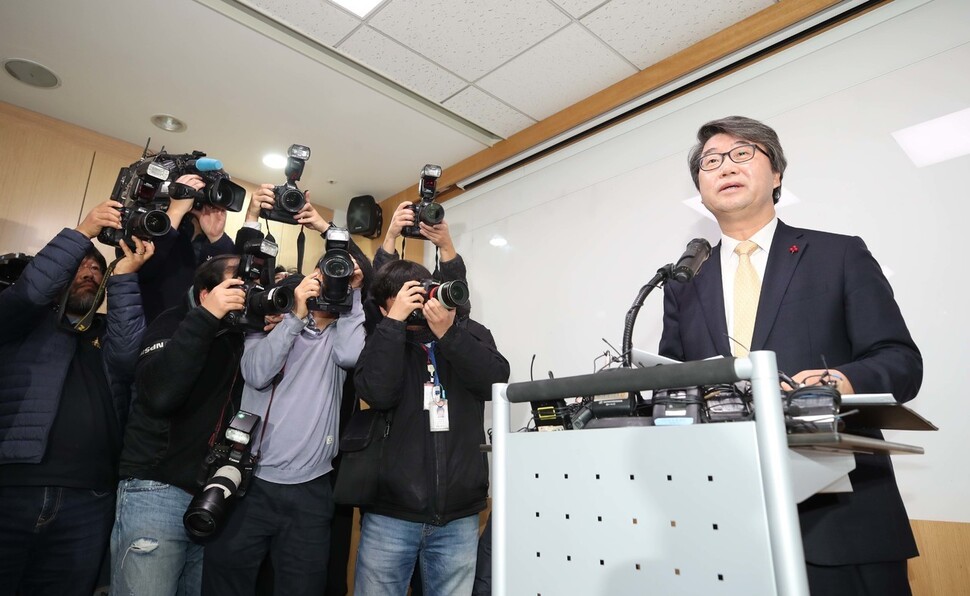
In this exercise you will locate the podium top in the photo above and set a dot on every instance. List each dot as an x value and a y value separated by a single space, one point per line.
881 410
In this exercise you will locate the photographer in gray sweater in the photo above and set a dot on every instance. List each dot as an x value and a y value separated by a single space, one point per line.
294 377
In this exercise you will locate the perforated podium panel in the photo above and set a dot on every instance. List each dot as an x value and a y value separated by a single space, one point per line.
648 510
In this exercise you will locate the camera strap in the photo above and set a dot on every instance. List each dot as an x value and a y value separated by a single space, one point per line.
85 322
300 247
269 406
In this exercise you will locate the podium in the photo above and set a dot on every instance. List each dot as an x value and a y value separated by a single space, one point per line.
699 509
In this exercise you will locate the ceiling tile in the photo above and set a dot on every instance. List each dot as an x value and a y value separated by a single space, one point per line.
578 8
543 80
316 19
488 112
647 31
469 37
401 64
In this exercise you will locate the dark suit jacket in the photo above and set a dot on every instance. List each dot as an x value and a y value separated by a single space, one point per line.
823 295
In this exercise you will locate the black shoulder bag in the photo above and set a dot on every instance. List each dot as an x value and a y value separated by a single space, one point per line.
361 446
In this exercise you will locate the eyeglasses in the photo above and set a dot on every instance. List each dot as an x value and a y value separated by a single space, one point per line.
92 266
739 154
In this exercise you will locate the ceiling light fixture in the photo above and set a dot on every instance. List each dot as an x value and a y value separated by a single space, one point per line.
168 122
274 160
361 8
31 73
936 140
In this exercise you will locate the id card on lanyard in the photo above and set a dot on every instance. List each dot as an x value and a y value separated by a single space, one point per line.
435 399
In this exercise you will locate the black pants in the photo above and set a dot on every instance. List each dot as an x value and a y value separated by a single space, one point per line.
873 579
291 523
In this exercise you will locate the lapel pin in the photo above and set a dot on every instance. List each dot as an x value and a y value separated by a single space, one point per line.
793 248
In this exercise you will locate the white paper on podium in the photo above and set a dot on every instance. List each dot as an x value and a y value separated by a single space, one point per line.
644 359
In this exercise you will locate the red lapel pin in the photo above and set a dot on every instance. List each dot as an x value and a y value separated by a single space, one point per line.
793 249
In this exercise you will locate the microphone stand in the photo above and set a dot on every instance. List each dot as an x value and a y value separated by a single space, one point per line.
658 280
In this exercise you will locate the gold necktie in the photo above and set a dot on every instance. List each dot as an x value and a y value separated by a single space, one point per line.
747 290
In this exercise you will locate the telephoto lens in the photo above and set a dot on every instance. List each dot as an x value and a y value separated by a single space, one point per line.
207 511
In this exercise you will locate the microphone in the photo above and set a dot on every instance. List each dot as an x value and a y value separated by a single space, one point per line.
206 164
690 262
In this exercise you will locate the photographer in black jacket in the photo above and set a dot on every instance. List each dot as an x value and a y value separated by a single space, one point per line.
434 478
186 383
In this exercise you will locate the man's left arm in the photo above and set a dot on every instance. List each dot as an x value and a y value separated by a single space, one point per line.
474 358
884 356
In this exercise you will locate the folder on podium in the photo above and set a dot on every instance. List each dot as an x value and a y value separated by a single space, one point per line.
698 509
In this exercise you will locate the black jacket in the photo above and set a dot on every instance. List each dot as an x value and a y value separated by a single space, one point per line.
431 477
185 384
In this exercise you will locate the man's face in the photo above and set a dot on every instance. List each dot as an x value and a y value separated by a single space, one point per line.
84 288
737 190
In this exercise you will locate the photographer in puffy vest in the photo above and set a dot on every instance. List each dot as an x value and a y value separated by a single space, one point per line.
65 375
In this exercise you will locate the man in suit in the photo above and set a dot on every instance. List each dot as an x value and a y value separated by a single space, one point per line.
821 303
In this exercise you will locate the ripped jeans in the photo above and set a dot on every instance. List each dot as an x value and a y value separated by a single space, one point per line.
151 553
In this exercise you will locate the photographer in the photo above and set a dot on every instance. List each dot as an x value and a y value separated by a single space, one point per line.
433 483
64 396
186 382
451 266
294 379
196 236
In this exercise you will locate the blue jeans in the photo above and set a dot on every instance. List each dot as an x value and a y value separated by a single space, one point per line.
390 547
52 539
151 553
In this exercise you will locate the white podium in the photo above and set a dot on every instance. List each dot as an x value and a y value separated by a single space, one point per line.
695 510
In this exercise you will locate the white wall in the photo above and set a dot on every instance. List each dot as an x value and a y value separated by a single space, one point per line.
588 226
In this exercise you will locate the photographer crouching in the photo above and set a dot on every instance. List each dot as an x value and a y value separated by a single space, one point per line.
294 378
187 389
65 374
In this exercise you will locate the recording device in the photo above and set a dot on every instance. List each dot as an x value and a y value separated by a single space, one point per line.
219 190
11 267
690 262
676 407
813 408
226 473
727 403
256 265
337 268
451 295
426 211
145 188
288 198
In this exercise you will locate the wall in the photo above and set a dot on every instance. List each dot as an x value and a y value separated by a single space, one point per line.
588 226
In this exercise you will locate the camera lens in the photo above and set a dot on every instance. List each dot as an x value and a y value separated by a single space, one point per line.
292 200
338 266
208 509
149 224
274 301
432 214
451 294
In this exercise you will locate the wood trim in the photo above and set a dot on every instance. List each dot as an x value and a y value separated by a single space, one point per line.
776 17
943 566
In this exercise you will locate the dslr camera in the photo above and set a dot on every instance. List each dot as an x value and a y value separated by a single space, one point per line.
226 473
426 211
256 265
219 190
288 198
451 295
337 268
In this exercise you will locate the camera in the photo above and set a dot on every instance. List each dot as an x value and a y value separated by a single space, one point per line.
337 268
426 211
226 473
288 198
219 190
451 295
11 267
139 190
256 265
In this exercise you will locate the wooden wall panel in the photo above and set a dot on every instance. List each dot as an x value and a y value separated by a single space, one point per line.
943 567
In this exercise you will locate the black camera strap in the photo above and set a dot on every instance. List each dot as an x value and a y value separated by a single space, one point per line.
85 322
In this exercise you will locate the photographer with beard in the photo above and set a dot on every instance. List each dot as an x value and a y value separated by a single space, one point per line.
64 393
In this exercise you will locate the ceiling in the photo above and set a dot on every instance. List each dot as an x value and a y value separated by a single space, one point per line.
375 98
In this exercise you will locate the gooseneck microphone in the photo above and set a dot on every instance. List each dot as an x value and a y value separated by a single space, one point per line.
690 262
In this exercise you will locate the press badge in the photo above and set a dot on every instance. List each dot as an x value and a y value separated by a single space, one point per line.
438 415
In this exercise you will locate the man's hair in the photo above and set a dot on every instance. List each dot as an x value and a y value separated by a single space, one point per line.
213 272
280 269
392 277
743 128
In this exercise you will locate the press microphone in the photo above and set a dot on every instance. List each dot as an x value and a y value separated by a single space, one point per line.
690 262
206 164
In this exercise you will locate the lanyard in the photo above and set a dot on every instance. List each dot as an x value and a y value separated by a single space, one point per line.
434 365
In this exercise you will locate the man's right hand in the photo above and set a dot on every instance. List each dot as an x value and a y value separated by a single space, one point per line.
177 208
225 297
105 215
263 198
403 216
410 298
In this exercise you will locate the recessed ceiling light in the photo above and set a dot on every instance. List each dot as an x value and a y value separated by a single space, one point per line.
168 122
274 160
31 73
936 140
498 241
360 8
